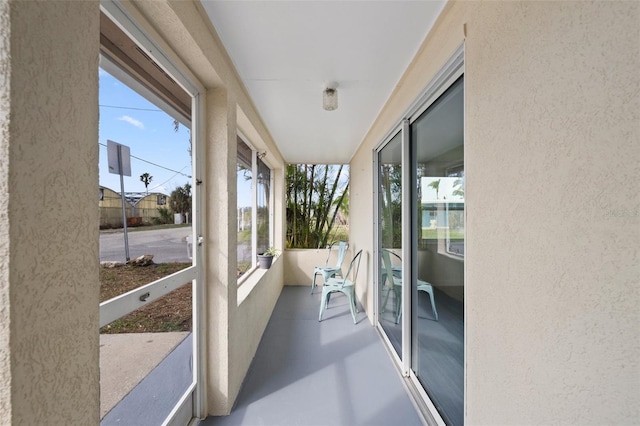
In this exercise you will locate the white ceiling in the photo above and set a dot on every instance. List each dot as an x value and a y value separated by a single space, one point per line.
286 52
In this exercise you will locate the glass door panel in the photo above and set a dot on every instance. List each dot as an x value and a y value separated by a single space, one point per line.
390 241
437 146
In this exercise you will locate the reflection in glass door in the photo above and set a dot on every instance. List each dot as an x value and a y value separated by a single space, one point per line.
437 146
390 240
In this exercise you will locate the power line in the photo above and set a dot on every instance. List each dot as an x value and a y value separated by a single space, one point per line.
168 180
157 165
136 109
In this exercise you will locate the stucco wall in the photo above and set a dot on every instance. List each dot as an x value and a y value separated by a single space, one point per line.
49 98
552 148
250 319
5 308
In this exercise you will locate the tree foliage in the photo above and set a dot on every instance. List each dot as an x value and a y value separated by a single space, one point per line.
391 205
315 195
458 186
180 201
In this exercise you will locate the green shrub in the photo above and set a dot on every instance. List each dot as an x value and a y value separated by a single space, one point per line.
164 218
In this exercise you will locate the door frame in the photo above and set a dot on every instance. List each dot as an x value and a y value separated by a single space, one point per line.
193 402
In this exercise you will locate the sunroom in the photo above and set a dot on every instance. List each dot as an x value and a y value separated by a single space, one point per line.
490 168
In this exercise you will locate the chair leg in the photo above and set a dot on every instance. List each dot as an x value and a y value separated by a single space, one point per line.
398 295
433 304
313 282
323 304
386 298
427 288
352 303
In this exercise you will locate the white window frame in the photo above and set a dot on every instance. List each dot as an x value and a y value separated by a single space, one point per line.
254 207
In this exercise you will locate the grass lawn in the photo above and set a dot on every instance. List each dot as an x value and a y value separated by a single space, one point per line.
434 233
171 312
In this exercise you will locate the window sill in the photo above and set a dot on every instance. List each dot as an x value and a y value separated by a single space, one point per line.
250 280
246 275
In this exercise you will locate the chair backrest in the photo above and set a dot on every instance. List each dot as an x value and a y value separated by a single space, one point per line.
354 266
342 250
386 261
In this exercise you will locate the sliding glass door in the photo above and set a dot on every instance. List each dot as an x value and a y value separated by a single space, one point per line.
437 308
390 240
420 232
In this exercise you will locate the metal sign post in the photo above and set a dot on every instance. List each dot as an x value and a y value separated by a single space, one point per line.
119 160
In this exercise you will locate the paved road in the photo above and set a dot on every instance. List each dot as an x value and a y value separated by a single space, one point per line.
166 245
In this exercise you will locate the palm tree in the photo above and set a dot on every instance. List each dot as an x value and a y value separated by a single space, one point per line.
435 184
458 184
146 178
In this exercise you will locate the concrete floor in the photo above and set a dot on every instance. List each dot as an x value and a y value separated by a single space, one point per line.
320 373
305 372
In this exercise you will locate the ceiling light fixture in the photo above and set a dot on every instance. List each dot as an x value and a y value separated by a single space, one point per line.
330 99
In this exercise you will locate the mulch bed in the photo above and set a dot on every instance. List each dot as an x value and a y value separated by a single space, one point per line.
171 312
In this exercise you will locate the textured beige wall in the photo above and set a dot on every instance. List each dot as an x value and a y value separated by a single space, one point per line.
235 326
553 223
219 248
552 114
249 322
5 308
361 230
49 129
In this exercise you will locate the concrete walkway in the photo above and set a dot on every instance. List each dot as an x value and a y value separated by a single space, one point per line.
128 362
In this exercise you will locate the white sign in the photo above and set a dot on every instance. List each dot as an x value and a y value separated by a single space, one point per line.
115 166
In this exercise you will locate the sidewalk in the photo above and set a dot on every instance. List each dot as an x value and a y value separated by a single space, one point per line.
127 359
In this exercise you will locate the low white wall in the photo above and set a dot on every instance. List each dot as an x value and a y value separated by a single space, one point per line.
299 264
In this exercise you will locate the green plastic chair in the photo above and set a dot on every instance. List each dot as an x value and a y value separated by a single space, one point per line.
395 276
343 285
330 271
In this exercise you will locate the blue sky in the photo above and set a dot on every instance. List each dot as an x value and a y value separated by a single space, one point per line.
129 119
